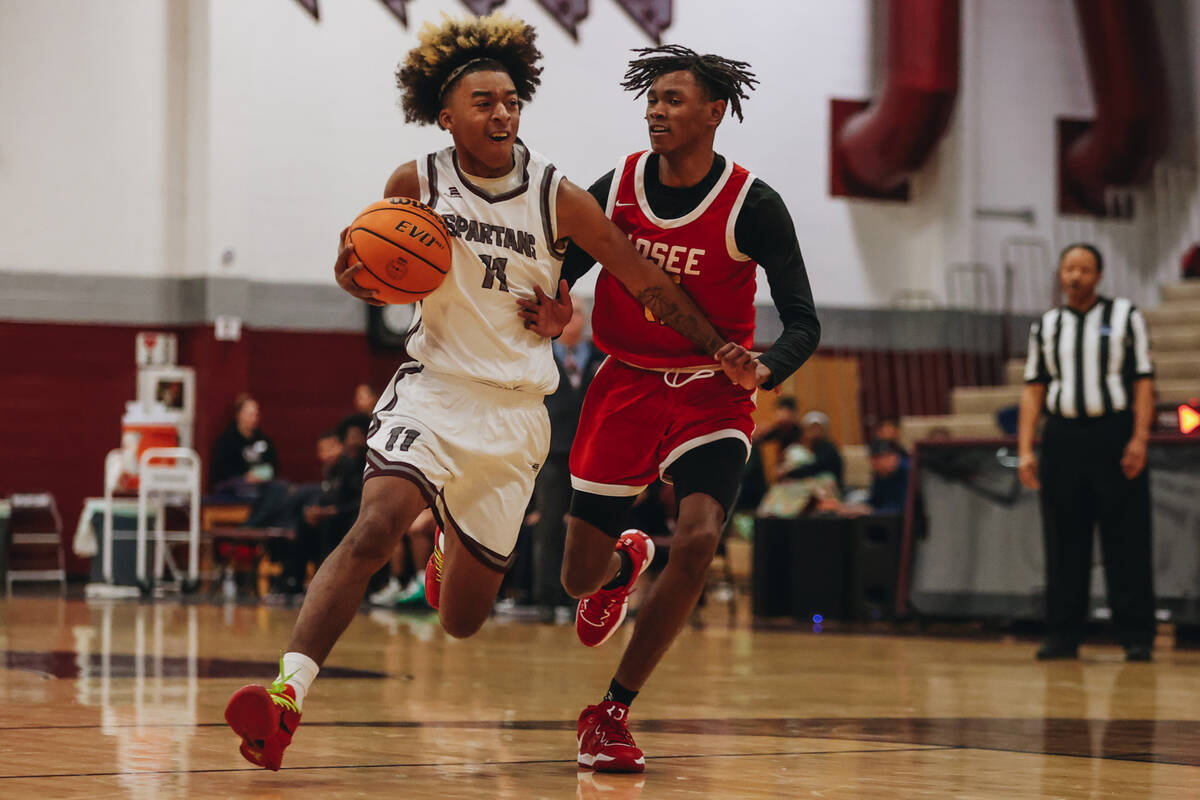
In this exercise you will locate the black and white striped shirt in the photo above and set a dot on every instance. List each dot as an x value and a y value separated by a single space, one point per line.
1089 361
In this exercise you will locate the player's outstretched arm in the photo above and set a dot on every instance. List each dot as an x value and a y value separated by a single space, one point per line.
581 220
402 183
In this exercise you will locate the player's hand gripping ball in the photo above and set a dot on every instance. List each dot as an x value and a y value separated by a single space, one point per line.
404 248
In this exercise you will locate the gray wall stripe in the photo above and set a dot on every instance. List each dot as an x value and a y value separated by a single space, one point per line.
63 298
35 297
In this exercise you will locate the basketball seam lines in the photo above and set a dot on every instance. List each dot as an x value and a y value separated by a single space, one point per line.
405 249
432 216
402 247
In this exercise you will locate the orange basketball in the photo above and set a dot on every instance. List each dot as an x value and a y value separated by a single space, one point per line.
404 248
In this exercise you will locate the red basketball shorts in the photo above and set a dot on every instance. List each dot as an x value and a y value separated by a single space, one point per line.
635 423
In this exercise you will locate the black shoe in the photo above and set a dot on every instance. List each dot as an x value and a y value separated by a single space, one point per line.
1138 652
1057 651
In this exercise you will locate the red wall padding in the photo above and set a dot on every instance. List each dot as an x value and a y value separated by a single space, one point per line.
63 390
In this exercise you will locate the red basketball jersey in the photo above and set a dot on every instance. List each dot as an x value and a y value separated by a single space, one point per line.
698 250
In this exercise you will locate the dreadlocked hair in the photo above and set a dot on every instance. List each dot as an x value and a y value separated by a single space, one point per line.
724 79
454 48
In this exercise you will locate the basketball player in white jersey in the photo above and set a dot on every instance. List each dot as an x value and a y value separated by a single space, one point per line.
462 428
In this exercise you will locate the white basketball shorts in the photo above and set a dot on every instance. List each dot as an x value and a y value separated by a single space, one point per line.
472 449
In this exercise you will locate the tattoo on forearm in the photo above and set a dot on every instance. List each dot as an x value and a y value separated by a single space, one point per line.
682 320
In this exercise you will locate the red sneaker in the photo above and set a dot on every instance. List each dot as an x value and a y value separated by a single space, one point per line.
433 571
266 719
600 614
605 743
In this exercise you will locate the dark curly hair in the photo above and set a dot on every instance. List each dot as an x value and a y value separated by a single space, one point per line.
455 48
722 78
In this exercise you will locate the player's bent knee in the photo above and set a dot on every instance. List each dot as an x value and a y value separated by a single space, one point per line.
694 551
577 586
368 549
374 534
570 579
579 578
461 627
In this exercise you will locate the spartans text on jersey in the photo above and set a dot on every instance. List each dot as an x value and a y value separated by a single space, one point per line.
475 231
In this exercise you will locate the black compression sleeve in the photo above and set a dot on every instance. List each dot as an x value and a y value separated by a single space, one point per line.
577 262
764 231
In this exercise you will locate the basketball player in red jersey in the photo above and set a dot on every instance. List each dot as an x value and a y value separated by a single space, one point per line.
462 427
656 407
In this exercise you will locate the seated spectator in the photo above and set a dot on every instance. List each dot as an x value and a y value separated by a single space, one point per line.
365 398
323 524
295 555
889 477
809 473
770 442
819 454
887 429
784 429
1006 419
329 450
889 484
243 458
939 434
341 493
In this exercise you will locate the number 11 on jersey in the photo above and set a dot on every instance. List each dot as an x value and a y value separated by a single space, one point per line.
409 435
494 269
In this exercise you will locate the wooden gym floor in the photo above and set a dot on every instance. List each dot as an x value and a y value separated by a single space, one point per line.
108 700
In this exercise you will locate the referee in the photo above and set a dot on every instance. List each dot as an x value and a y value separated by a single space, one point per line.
1089 367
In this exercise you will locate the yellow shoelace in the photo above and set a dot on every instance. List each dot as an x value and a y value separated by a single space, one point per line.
276 690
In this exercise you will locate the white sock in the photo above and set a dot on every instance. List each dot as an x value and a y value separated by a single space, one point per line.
300 671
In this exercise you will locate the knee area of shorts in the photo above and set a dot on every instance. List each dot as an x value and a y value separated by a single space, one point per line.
605 513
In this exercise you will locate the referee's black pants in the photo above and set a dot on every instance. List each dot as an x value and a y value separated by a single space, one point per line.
1082 485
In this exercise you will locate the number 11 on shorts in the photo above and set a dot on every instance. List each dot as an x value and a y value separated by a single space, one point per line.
409 435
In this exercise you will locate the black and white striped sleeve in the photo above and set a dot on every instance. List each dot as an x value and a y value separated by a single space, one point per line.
1138 344
1035 361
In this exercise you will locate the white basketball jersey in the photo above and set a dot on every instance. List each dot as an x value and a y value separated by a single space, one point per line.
502 246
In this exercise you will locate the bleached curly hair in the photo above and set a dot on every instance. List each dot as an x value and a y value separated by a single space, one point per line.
454 48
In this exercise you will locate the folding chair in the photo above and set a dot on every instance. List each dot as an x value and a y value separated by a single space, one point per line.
36 526
170 474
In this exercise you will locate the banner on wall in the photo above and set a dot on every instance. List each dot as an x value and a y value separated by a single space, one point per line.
397 8
652 16
311 7
568 13
482 7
